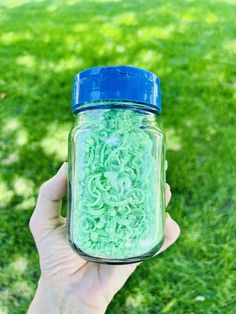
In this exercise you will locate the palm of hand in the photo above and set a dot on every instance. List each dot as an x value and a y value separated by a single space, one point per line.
92 284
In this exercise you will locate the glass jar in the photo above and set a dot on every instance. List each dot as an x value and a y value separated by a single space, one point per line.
116 166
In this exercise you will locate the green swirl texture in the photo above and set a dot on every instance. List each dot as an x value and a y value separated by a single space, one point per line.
116 209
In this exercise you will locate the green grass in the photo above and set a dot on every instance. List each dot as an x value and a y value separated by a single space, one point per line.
190 45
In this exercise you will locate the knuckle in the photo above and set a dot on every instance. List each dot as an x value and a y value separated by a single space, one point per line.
178 231
34 224
44 188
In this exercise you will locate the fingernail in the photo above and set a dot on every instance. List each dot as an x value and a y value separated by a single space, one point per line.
61 169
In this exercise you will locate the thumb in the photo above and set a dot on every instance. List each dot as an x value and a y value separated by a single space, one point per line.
48 206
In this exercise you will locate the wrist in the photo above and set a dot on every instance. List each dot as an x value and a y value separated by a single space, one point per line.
58 300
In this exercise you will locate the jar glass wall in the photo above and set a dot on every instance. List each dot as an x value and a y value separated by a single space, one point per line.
116 183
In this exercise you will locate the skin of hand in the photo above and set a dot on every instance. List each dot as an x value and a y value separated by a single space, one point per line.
68 283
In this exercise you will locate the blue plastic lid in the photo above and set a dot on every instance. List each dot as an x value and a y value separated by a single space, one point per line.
116 83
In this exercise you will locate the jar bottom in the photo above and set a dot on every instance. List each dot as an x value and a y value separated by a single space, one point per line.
124 261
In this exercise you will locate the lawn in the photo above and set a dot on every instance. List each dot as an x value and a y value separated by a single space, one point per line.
190 45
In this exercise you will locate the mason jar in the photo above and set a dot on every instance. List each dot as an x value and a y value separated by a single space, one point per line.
116 165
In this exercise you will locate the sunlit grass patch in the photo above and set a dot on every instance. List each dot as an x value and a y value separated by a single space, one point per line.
190 45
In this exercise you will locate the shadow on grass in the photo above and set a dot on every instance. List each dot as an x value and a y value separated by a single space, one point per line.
189 45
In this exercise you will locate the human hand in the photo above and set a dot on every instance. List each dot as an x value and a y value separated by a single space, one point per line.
68 283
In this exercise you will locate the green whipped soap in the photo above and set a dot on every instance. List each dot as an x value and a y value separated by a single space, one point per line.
115 198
